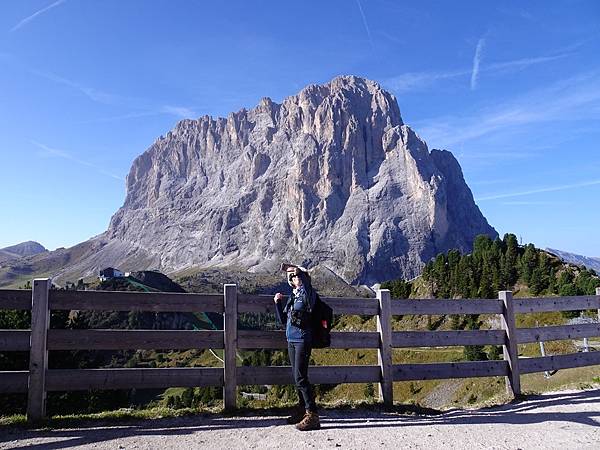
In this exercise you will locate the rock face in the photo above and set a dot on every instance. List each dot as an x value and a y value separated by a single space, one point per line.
330 177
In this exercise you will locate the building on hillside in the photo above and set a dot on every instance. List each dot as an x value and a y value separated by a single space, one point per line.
108 273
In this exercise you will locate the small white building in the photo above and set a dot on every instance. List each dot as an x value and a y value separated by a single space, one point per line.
109 272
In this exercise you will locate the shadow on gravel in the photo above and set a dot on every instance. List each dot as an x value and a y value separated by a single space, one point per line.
519 412
525 411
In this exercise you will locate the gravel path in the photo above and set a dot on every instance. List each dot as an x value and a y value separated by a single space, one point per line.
560 420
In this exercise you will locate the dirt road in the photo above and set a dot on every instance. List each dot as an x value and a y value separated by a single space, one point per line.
560 420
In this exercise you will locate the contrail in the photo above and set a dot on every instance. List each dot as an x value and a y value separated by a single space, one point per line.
68 156
541 190
364 18
35 14
476 60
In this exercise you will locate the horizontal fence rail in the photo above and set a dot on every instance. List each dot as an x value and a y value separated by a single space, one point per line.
438 307
436 371
18 299
84 379
556 362
530 305
135 301
40 339
13 381
133 339
14 340
250 339
318 374
351 306
447 338
556 333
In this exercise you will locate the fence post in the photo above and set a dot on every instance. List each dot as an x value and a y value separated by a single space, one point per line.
230 346
598 293
38 353
384 353
510 349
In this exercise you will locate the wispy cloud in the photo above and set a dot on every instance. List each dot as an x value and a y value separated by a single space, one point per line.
522 14
488 182
476 62
117 118
391 38
179 111
531 203
573 99
365 23
500 155
93 94
99 96
412 81
524 62
49 151
28 19
562 187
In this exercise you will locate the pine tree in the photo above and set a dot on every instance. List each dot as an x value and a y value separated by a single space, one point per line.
454 258
398 288
187 397
552 282
565 282
529 262
486 289
481 243
440 270
463 277
511 259
536 281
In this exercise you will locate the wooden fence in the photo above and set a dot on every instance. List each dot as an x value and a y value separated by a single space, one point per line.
40 339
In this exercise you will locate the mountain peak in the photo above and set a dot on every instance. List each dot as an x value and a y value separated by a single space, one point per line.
28 248
331 176
357 95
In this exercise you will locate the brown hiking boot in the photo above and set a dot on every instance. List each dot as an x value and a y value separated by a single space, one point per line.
310 422
297 416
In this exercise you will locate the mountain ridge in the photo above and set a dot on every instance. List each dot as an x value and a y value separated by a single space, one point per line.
588 261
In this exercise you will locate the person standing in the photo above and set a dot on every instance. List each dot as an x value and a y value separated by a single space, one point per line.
296 315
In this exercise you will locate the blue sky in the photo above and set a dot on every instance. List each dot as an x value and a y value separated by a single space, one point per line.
512 88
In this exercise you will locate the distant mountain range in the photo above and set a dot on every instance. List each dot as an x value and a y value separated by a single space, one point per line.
28 248
587 261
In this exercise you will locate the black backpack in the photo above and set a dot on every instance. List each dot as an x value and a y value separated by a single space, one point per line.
322 319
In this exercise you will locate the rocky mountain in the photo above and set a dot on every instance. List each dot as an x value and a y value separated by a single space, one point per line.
330 177
580 260
28 248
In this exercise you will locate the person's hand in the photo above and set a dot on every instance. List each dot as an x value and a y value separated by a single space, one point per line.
277 297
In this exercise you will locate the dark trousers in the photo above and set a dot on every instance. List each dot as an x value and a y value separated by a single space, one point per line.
299 356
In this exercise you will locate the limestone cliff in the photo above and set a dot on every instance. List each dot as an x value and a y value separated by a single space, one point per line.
331 176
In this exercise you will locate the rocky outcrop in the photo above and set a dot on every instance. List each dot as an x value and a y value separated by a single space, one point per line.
331 176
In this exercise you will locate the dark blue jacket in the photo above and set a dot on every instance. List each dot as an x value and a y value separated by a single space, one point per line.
299 300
